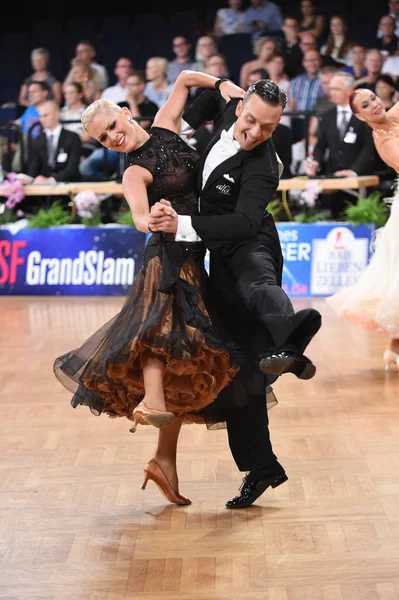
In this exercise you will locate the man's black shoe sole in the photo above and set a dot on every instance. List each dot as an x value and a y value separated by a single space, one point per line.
302 369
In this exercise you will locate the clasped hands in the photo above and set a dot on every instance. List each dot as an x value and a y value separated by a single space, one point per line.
162 217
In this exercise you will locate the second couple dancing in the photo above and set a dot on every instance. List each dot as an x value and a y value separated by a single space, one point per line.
188 347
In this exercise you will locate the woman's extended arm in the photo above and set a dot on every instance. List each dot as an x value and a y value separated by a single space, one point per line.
134 183
169 115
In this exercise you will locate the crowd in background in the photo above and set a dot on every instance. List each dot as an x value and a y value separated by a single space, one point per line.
312 57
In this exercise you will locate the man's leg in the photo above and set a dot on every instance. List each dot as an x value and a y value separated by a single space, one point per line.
256 272
250 445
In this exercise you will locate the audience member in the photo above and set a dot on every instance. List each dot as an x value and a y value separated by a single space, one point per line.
136 100
182 49
373 63
86 52
394 12
263 17
265 47
387 43
157 88
344 145
216 65
72 111
40 58
204 48
117 93
230 20
338 45
310 20
88 78
322 104
358 68
391 66
289 47
304 91
385 89
56 151
276 69
254 76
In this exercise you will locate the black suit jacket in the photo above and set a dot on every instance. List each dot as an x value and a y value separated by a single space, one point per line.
234 200
359 156
67 155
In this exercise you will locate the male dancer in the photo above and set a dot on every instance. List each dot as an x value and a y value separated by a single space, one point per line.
238 178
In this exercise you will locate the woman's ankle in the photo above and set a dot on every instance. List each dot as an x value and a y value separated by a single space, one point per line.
394 346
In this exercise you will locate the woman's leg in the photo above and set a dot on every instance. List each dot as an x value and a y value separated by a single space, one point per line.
153 372
166 451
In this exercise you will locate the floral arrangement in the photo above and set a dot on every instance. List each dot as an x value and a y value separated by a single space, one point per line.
308 200
87 204
13 190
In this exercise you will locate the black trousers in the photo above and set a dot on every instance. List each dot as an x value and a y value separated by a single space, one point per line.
256 272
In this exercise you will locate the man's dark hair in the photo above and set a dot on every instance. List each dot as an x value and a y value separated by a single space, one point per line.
140 75
43 84
269 91
263 74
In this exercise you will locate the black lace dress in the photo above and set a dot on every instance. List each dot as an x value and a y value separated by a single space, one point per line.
164 314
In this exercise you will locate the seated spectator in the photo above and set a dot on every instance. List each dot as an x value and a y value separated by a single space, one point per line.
264 48
391 66
387 43
214 65
55 152
304 91
345 144
254 76
338 46
38 93
158 87
230 20
117 93
289 47
86 52
322 104
309 42
263 17
183 60
103 164
40 59
385 89
358 67
72 111
374 65
276 69
311 21
82 73
393 6
206 46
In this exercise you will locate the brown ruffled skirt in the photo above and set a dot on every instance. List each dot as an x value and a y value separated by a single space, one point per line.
164 315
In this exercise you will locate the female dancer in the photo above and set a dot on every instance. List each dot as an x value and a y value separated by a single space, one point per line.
373 301
159 361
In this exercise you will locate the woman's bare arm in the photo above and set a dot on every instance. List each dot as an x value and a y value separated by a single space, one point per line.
134 183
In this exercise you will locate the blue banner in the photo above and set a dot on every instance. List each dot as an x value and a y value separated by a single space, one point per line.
93 261
319 259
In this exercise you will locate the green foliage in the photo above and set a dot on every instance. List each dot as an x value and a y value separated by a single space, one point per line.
56 215
93 222
368 210
125 218
8 216
316 218
275 207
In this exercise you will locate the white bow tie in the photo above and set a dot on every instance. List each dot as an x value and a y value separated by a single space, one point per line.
227 139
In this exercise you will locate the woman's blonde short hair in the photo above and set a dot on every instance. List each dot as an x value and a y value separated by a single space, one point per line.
97 106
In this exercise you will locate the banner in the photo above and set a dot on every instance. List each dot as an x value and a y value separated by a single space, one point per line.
319 259
73 261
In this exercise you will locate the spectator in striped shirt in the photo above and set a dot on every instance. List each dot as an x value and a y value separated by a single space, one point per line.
305 89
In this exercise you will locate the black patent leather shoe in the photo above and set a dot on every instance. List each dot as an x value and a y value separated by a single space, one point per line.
252 488
288 362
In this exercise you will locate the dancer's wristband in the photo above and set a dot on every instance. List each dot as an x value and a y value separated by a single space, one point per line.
219 82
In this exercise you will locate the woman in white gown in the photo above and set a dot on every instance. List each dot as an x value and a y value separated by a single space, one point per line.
373 302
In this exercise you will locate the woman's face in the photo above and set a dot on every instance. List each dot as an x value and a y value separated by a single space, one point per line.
337 26
235 4
206 47
267 50
358 54
39 62
306 8
71 94
114 130
368 107
384 90
80 74
152 70
275 66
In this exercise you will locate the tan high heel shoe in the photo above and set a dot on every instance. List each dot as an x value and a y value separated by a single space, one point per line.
153 471
391 360
144 414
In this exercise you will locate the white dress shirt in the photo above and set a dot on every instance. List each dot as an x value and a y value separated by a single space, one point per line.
225 148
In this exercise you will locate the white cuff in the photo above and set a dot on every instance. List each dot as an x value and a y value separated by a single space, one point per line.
185 130
185 230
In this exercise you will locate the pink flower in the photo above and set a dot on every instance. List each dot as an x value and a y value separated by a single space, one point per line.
13 190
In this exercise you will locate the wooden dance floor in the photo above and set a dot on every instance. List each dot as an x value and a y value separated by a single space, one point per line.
74 524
